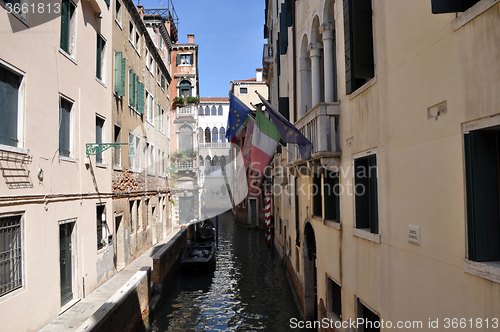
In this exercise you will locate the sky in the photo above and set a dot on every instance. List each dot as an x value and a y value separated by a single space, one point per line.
230 37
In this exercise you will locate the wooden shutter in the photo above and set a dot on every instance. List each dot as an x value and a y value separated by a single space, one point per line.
349 78
283 30
134 89
118 71
481 162
98 72
130 88
65 18
178 59
191 59
123 69
140 98
373 192
361 196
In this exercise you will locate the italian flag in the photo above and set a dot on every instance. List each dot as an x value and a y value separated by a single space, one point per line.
264 142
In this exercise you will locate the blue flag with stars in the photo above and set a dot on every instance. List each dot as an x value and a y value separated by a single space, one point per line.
238 113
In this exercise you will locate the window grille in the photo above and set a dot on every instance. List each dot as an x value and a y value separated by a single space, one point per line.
10 254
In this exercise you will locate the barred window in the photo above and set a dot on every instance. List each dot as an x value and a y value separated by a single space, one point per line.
10 254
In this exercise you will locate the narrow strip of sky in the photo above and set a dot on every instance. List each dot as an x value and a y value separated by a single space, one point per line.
230 38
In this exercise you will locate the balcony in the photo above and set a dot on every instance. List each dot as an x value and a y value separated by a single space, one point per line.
321 126
186 113
267 59
224 145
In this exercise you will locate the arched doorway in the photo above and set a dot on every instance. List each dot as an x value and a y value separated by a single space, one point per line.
310 277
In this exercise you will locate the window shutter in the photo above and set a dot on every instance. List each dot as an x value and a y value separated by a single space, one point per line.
130 88
361 201
191 59
134 89
107 2
140 98
64 43
123 70
118 71
163 82
483 229
283 107
283 30
373 192
98 58
137 93
178 59
349 79
447 6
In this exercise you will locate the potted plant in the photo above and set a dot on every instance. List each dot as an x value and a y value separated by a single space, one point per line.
192 154
179 101
193 100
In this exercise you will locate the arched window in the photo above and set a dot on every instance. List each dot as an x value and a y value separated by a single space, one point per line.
200 110
222 160
214 110
214 135
185 138
220 110
207 164
201 161
215 161
207 135
222 134
207 110
185 89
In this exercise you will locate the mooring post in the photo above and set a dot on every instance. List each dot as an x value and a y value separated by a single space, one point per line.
216 227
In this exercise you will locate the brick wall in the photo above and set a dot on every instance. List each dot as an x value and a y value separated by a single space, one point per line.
126 310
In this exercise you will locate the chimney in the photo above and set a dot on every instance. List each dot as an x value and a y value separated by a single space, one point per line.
258 74
191 38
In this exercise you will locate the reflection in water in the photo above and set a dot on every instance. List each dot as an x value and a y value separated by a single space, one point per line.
248 289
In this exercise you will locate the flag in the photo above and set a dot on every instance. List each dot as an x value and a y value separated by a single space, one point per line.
238 113
264 142
288 132
247 148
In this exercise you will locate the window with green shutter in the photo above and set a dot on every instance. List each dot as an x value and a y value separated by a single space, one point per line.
140 98
120 67
130 87
67 26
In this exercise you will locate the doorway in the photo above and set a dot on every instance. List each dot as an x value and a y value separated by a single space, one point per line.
65 261
310 274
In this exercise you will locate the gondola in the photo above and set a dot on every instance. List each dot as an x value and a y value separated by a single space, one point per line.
199 256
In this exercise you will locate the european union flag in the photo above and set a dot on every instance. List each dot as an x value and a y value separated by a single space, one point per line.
238 113
288 132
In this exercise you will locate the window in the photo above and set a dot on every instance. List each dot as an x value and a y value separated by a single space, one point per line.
135 92
207 110
371 321
118 12
120 70
201 160
482 150
101 58
331 196
185 138
185 89
222 134
99 137
19 12
161 163
138 42
68 27
65 128
366 196
219 111
131 32
150 108
11 107
316 195
200 110
146 203
132 207
451 6
159 117
118 139
185 59
214 110
214 135
11 264
358 36
150 158
207 135
134 160
243 91
334 299
101 226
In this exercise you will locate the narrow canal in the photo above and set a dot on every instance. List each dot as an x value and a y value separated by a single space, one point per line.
247 291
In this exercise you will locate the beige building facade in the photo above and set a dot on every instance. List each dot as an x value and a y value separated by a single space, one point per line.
399 100
56 201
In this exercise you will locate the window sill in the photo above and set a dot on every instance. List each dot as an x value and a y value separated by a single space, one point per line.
101 82
364 233
472 13
117 168
363 88
487 270
119 24
68 159
14 149
104 166
67 56
333 224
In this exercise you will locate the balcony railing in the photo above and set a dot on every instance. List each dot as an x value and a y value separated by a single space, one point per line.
186 164
215 145
186 111
321 126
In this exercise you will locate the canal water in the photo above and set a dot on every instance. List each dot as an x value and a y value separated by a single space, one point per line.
247 291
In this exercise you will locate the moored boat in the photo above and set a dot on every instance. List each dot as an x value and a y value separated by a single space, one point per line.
198 256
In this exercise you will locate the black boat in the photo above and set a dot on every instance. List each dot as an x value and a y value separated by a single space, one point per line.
206 231
199 256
